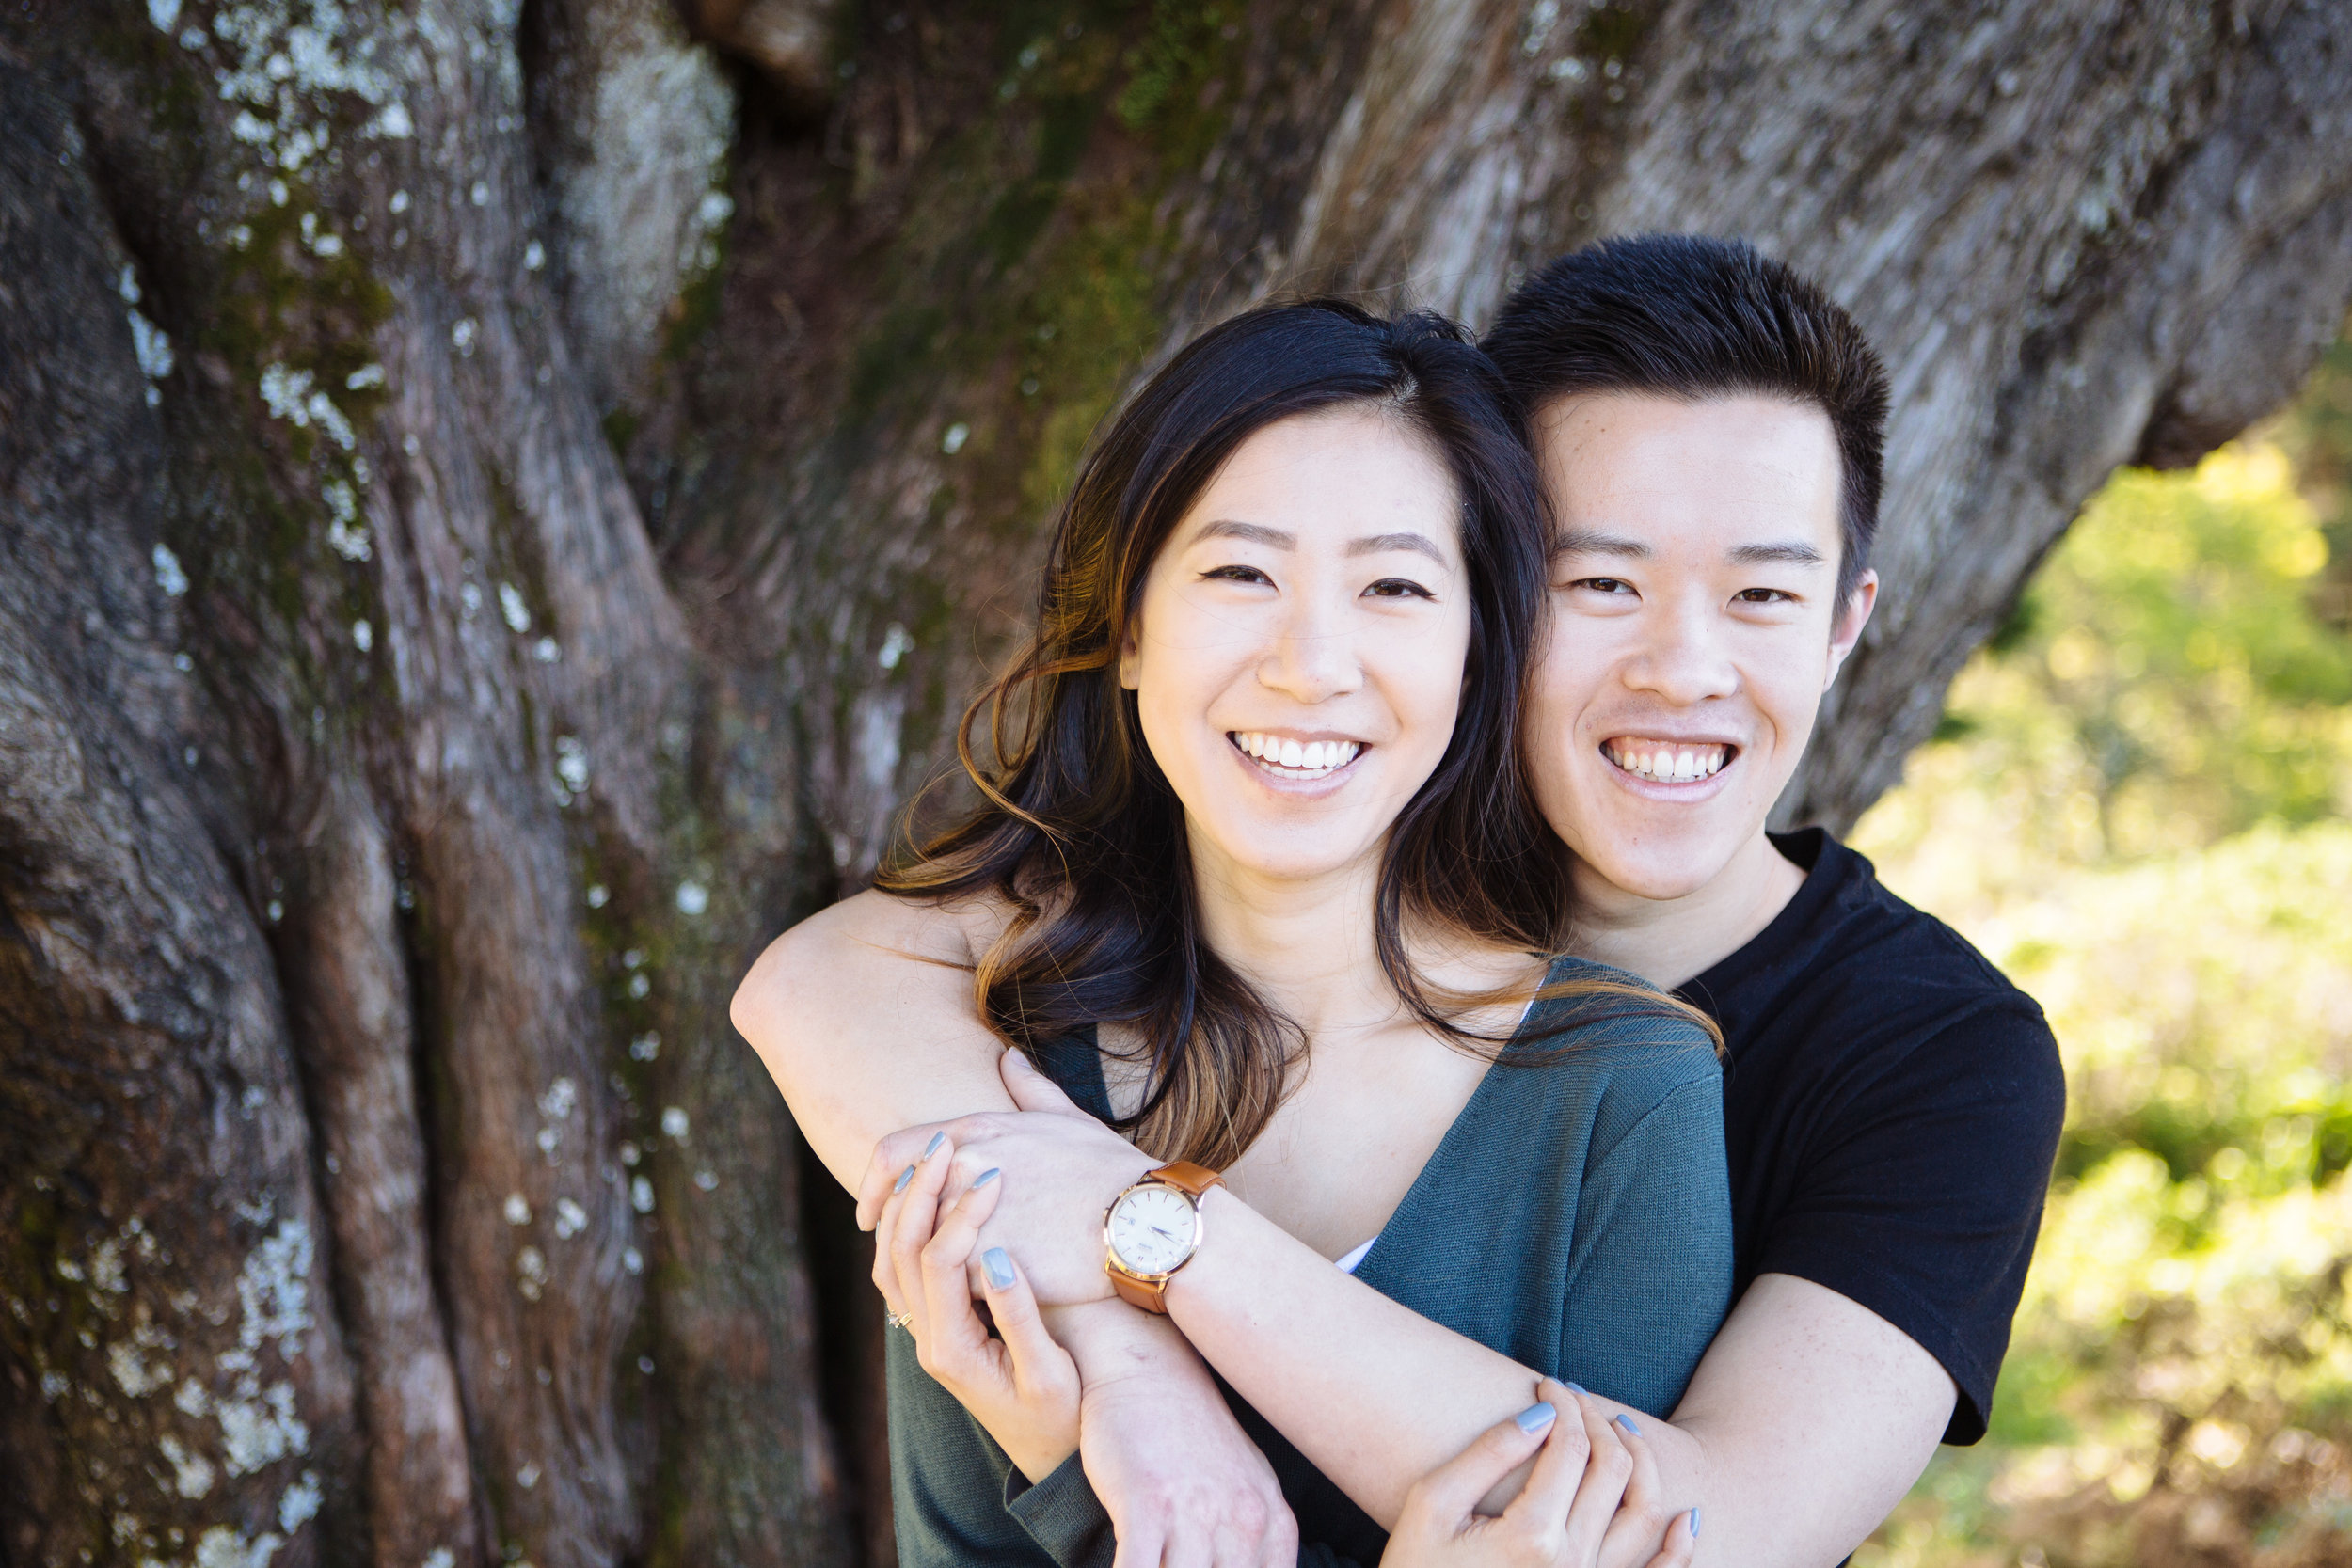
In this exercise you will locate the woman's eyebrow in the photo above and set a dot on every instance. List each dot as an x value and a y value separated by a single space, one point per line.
1375 544
1225 528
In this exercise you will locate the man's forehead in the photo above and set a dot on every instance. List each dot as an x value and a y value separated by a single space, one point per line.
1757 477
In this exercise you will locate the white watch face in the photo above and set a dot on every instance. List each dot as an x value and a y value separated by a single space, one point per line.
1151 1229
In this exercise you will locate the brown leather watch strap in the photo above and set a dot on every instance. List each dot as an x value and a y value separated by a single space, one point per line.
1150 1294
1186 1177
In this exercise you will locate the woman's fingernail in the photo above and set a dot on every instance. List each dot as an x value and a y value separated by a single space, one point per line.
985 1178
1535 1417
933 1147
904 1177
999 1267
1627 1421
1580 1388
1695 1524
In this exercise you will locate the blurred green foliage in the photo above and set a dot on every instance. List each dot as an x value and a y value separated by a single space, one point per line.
2141 807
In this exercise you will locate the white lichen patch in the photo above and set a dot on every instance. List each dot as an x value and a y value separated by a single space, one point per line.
645 1047
692 897
168 577
257 1432
224 1547
632 1261
362 636
675 1123
531 1273
518 1209
512 607
440 1557
192 1473
570 1219
571 766
291 396
300 1504
345 534
274 1291
289 61
640 1195
561 1100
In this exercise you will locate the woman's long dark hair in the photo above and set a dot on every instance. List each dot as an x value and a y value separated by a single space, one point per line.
1079 834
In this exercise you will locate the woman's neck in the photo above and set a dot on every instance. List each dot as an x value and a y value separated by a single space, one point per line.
1307 943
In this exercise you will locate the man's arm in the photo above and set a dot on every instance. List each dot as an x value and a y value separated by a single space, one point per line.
1808 1421
864 1016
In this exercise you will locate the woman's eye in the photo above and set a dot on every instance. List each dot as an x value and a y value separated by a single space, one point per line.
1235 573
1397 588
1603 585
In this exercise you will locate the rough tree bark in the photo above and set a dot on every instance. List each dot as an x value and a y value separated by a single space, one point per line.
499 499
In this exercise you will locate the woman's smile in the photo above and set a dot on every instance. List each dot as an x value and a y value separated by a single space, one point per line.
1292 758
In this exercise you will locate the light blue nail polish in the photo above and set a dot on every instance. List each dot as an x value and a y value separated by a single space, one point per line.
1627 1422
1580 1388
985 1178
1695 1524
1000 1268
904 1177
1536 1419
933 1147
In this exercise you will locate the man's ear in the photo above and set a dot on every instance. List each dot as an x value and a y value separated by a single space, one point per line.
1851 617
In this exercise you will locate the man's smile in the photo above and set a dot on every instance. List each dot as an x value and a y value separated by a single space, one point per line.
1666 761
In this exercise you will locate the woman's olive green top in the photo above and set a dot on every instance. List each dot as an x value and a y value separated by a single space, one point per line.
1576 1217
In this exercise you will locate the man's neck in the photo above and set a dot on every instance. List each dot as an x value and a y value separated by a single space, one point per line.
1670 940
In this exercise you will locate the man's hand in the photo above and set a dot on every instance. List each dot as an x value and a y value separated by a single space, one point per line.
1181 1482
1061 1168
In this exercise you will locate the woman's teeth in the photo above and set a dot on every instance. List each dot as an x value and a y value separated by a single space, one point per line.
1665 764
1293 759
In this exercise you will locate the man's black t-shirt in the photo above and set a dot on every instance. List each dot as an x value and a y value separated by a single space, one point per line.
1891 1110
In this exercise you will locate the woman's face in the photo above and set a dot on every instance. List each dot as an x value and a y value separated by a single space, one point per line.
1297 659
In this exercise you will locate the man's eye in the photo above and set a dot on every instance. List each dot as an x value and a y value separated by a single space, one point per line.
1398 587
1764 596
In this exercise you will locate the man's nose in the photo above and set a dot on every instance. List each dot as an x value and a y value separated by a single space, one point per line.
1682 658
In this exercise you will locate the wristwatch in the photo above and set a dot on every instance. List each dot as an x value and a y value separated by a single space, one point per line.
1152 1230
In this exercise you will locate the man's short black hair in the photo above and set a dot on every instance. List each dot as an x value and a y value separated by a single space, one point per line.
1686 316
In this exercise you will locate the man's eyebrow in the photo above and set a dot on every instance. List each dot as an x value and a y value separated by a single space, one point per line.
1225 528
1586 542
1375 544
1790 553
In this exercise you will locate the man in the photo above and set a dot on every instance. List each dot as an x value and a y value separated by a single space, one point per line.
1711 429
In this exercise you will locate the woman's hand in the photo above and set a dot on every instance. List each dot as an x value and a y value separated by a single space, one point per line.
1062 1168
1023 1389
1590 1487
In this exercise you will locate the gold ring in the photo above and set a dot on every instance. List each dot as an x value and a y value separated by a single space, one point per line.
900 1320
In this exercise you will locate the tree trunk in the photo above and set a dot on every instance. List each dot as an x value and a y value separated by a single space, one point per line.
502 501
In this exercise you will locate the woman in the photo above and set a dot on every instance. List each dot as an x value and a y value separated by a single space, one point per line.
1269 898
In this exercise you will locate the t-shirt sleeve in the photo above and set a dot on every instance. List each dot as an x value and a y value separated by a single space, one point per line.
1650 1267
1921 1193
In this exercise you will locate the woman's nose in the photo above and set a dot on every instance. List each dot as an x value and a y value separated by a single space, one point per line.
1313 659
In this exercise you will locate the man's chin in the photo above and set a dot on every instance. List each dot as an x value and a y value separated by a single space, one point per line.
1661 877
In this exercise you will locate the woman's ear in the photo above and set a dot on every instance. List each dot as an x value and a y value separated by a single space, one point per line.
1130 655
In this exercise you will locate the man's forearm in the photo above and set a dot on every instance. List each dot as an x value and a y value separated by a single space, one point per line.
865 1020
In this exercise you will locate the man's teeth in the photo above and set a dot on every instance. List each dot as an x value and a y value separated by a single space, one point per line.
1668 764
1291 756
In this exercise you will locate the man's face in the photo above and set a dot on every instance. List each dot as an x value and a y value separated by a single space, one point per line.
1693 627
